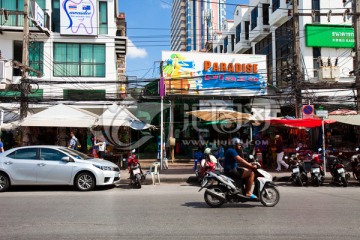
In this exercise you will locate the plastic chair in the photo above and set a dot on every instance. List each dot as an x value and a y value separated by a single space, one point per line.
154 172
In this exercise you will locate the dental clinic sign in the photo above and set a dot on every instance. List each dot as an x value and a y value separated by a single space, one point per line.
78 17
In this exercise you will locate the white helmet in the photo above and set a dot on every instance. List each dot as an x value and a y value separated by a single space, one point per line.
207 151
236 141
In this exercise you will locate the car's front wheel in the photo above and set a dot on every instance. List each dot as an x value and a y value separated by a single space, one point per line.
85 181
4 182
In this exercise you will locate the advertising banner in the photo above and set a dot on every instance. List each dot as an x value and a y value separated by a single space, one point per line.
196 73
331 36
78 17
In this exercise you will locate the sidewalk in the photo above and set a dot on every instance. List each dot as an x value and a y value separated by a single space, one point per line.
181 171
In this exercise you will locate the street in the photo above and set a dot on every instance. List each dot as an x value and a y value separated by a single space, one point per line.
176 211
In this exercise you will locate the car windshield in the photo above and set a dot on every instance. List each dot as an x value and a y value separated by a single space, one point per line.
76 154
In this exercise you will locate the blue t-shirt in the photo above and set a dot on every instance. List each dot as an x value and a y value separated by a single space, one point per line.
230 161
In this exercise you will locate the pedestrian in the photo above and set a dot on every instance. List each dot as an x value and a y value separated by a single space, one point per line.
264 149
73 141
102 148
280 153
1 146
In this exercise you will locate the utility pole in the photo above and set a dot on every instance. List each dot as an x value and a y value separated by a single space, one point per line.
356 22
25 62
297 76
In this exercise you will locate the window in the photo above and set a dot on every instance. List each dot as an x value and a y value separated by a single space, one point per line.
247 25
275 5
265 10
36 57
254 17
26 154
51 154
13 5
79 60
226 42
103 18
55 16
316 8
238 32
316 55
232 42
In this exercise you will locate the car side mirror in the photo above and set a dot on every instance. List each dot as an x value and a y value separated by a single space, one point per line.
66 159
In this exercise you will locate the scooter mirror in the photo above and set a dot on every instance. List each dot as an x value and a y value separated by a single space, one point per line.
297 149
320 149
357 149
251 157
133 151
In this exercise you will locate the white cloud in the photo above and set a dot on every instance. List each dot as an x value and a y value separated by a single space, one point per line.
165 5
135 52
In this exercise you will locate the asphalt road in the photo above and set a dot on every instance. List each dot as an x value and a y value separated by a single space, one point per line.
173 211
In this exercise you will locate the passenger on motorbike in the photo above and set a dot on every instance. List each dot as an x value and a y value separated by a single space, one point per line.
246 171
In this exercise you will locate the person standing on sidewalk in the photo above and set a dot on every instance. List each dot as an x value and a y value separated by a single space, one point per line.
280 153
1 146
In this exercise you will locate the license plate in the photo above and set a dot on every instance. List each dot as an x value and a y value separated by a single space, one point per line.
340 170
315 170
295 170
136 171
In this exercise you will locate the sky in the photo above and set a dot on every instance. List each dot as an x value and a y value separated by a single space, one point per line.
148 32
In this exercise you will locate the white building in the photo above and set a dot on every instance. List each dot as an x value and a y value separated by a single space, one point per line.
81 59
326 40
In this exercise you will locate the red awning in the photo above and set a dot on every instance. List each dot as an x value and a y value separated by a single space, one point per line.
300 123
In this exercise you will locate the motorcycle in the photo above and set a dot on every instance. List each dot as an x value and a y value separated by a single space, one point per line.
221 189
298 173
355 165
338 172
317 171
136 175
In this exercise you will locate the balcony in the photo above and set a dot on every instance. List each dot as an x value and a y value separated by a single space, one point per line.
15 21
120 45
243 45
260 31
279 12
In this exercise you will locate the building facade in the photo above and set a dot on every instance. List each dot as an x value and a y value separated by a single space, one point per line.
195 23
80 58
326 38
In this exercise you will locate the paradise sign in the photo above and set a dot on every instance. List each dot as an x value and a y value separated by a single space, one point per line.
214 73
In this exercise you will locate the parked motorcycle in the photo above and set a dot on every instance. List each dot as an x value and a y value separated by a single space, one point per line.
298 173
136 174
338 172
355 165
221 189
317 171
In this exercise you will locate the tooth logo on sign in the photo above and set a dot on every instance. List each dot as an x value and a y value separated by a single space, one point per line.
78 17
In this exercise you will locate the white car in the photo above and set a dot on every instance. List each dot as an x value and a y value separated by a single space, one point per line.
54 165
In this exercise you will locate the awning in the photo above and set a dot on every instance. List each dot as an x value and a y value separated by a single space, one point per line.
119 116
300 123
348 119
60 116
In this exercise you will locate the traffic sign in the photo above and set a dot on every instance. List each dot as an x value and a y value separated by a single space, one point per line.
322 113
308 111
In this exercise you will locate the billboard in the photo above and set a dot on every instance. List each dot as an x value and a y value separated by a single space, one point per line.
78 17
196 73
331 36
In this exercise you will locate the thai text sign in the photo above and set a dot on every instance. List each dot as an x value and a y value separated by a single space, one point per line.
196 73
332 36
78 17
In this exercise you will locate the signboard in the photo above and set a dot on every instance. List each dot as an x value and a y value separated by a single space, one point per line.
332 36
322 113
308 111
78 17
196 73
38 15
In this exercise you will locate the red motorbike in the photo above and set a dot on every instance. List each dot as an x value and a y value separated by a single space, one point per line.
136 174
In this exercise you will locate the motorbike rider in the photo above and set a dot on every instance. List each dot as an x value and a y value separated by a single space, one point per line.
246 171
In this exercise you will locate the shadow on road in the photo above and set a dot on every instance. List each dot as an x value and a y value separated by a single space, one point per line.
54 188
226 205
